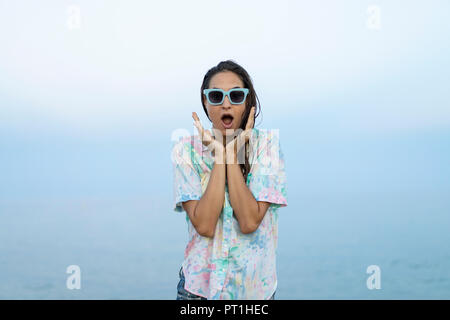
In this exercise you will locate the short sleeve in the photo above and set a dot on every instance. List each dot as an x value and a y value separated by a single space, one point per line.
267 177
186 180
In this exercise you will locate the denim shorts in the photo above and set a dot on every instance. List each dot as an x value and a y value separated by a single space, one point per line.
183 294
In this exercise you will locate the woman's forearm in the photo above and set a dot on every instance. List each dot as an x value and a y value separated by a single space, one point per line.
242 200
210 205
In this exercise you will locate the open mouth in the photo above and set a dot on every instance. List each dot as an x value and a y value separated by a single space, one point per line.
227 121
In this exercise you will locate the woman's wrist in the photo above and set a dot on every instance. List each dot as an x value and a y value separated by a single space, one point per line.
230 151
219 155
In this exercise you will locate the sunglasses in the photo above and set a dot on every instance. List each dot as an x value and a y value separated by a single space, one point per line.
216 96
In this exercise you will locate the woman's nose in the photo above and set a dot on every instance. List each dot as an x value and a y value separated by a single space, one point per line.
226 102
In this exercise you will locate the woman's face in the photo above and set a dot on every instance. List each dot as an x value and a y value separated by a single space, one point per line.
225 80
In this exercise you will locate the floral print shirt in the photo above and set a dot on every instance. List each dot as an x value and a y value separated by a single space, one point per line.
232 265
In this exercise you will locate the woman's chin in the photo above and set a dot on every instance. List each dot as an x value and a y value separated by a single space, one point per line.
226 132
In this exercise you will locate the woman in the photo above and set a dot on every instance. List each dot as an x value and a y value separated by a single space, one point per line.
230 183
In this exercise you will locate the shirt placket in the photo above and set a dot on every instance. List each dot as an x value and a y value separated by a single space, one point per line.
226 226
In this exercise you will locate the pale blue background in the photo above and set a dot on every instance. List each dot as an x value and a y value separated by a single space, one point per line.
87 115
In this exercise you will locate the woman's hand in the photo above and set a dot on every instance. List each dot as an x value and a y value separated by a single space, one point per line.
233 147
209 141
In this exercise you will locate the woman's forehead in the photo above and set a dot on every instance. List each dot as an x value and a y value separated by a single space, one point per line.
225 81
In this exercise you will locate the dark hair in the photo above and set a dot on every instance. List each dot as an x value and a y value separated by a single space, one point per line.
250 101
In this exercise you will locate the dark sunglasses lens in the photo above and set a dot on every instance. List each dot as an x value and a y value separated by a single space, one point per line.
237 96
215 96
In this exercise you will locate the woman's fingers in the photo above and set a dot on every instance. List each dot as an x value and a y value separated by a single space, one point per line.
251 119
249 126
205 135
197 123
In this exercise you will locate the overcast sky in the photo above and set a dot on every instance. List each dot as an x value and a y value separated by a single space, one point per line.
120 67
